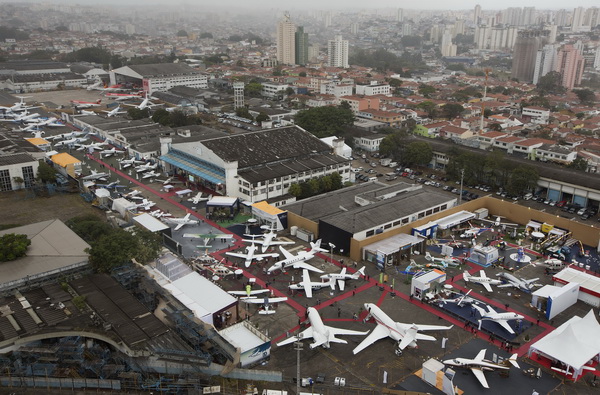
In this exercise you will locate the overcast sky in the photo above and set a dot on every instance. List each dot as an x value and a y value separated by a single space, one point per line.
341 4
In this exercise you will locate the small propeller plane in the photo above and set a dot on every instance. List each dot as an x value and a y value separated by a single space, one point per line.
307 285
182 221
199 198
266 303
322 334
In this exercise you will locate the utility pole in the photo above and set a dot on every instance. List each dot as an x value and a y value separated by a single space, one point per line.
462 177
298 348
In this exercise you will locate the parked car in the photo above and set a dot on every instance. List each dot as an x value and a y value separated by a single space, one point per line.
561 203
581 211
528 196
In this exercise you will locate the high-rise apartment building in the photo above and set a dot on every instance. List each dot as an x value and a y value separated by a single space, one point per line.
477 15
301 43
525 53
570 65
400 15
545 62
447 48
577 20
286 41
337 51
561 18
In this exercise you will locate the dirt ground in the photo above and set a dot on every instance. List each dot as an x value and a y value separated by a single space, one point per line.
22 208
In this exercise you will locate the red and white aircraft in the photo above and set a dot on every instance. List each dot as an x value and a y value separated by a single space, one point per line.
123 96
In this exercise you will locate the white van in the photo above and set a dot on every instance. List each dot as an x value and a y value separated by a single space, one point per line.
372 178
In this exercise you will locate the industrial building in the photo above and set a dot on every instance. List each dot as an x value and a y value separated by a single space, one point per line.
14 167
254 166
159 77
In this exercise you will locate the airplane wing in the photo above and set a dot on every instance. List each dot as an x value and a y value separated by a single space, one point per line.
480 376
278 243
427 327
482 274
306 283
378 333
254 300
504 324
253 241
305 334
508 284
179 226
253 292
341 284
480 356
261 256
285 253
235 254
487 286
304 265
340 331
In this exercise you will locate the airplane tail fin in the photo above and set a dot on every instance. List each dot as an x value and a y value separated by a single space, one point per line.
428 256
409 337
316 246
513 360
466 275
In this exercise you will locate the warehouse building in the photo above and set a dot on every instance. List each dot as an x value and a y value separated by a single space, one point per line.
159 77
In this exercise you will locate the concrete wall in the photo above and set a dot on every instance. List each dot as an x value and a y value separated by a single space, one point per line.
511 212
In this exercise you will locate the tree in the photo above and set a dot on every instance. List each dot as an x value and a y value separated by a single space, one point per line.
149 245
46 173
19 181
161 116
429 107
418 153
235 38
522 179
136 113
551 83
426 90
261 117
453 110
182 33
585 96
13 246
62 28
393 145
578 164
206 35
410 41
89 227
325 121
112 250
290 91
302 74
243 112
295 190
253 89
336 181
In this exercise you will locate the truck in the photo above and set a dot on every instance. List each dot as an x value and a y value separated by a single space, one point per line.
393 164
385 161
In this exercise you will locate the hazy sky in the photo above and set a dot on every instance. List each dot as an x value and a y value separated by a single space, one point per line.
341 4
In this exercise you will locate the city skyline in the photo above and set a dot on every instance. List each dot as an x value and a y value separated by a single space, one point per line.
343 4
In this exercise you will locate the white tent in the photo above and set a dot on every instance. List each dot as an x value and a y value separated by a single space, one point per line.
574 343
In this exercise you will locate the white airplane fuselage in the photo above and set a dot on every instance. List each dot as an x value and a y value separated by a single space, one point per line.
382 318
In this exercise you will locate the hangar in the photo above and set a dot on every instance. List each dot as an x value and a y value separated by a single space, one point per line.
159 77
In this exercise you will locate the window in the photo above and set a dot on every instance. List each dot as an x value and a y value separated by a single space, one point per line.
370 233
28 176
5 183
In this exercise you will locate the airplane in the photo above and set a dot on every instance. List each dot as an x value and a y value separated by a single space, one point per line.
65 135
95 85
18 106
114 112
501 318
50 122
249 291
268 239
85 112
198 198
86 104
96 176
170 180
122 96
22 117
29 128
520 283
146 167
405 334
73 141
159 214
484 280
96 146
498 222
445 261
146 103
298 261
307 285
460 299
182 221
552 264
146 204
478 365
110 152
266 302
322 334
133 194
114 184
150 174
38 134
341 277
125 163
250 255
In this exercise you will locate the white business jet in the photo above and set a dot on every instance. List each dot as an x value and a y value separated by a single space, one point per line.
250 255
268 239
321 333
298 261
484 280
501 318
405 334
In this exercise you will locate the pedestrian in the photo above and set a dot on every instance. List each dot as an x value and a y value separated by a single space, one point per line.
353 292
355 264
537 322
410 297
339 312
354 316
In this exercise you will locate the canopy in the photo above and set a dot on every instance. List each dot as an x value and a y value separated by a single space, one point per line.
574 343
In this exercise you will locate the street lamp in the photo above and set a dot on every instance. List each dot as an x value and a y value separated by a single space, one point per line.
462 177
331 247
298 348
